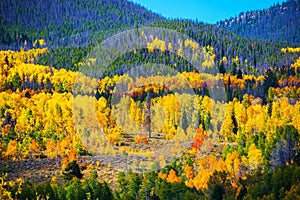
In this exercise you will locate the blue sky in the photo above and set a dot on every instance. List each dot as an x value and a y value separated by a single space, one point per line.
209 11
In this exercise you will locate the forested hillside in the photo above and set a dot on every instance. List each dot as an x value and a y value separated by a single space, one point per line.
255 56
72 35
260 55
234 145
67 23
204 113
280 22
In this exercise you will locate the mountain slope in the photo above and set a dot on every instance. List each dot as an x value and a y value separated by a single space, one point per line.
67 22
70 30
280 22
254 55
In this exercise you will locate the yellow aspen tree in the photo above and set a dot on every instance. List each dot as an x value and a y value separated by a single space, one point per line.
51 150
11 151
255 157
34 147
172 177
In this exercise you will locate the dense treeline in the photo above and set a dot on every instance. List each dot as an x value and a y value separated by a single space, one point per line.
31 92
22 23
261 55
67 23
255 56
63 57
280 22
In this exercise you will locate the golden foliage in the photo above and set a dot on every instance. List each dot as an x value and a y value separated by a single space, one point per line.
172 177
